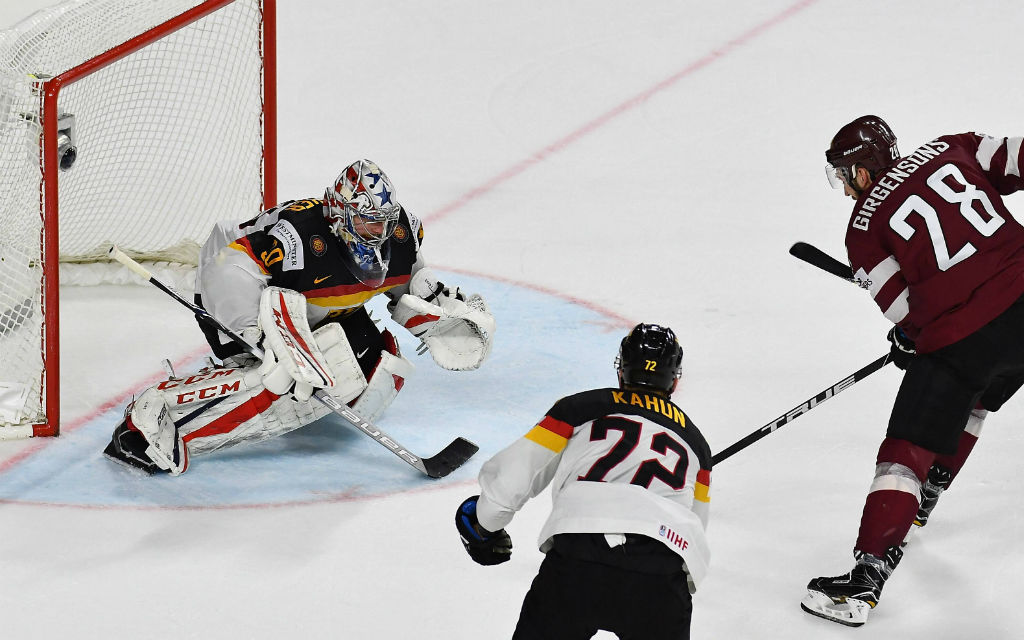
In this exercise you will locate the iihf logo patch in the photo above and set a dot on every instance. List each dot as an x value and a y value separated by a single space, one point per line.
401 233
672 537
317 244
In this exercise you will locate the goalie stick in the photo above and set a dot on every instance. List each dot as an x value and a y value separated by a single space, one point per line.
439 465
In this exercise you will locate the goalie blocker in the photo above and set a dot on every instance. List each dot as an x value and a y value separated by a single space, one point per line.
245 400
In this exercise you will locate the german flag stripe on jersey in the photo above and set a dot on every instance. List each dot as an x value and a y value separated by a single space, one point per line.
350 295
701 490
243 245
551 434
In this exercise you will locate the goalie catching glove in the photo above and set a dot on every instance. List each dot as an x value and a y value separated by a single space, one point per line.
457 330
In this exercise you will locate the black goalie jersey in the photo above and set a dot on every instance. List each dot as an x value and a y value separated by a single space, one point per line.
292 246
619 461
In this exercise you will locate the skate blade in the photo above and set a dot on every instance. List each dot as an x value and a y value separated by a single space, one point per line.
851 612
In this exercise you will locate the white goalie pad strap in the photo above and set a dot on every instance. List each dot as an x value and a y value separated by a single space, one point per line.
385 383
151 415
349 380
292 355
457 332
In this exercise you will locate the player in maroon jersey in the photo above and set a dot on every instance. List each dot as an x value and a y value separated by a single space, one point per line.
932 241
630 476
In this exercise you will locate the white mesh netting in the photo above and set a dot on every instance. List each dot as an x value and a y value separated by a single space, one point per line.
168 140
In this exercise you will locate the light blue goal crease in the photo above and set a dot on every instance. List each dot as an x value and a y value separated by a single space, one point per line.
545 347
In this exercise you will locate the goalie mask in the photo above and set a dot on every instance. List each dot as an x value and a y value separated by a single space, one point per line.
363 213
650 357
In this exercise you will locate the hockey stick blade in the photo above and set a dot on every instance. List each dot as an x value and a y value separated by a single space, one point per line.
816 257
802 408
450 458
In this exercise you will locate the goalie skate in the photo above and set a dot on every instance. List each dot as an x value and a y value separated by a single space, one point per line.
128 448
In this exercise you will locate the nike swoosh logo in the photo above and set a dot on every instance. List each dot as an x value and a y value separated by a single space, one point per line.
319 280
362 353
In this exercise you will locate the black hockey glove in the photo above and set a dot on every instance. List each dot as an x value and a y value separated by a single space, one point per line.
903 348
485 547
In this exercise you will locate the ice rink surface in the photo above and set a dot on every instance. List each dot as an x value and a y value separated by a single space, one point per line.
585 166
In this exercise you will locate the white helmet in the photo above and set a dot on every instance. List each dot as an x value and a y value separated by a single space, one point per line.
363 213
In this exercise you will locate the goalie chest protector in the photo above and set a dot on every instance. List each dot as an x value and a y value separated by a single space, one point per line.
294 245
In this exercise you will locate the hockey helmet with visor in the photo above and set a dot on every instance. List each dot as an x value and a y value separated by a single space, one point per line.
867 142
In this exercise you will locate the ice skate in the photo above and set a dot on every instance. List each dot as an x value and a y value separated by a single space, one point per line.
847 599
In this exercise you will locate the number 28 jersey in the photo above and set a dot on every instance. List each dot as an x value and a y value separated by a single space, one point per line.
933 242
618 461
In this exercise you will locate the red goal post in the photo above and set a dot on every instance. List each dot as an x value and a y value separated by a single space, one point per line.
135 122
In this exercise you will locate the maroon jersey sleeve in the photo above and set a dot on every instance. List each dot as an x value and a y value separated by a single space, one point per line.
933 242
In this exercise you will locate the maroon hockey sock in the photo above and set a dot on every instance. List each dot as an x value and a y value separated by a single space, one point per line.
886 519
889 511
956 461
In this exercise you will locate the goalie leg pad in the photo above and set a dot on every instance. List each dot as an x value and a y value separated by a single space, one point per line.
151 416
386 381
349 380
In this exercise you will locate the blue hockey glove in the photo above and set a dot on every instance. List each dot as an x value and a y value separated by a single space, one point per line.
903 348
485 547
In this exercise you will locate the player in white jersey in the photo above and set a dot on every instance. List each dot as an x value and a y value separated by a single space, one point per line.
630 475
295 279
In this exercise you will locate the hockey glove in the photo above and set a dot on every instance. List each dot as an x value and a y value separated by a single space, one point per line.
485 547
903 348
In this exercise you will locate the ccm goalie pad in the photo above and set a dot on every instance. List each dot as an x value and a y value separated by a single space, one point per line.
223 406
457 330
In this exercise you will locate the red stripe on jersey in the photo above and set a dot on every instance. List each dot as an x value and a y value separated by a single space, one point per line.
557 427
246 246
349 289
704 477
243 412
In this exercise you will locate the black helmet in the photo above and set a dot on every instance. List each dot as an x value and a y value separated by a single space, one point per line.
867 141
650 356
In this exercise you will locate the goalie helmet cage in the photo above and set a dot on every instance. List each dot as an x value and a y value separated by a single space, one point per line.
131 122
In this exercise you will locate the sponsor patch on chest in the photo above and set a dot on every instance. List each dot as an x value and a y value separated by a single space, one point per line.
288 236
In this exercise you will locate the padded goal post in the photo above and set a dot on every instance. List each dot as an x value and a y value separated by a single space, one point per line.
131 122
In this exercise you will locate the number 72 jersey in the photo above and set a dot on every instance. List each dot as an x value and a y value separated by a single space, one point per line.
618 461
933 242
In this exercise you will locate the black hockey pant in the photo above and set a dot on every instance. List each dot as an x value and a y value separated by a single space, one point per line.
572 599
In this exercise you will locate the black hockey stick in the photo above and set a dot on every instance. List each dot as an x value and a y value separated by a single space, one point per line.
438 466
802 408
815 256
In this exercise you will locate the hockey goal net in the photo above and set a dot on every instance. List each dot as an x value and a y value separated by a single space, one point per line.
129 122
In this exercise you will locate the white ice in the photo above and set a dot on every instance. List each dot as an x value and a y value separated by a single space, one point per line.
652 161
